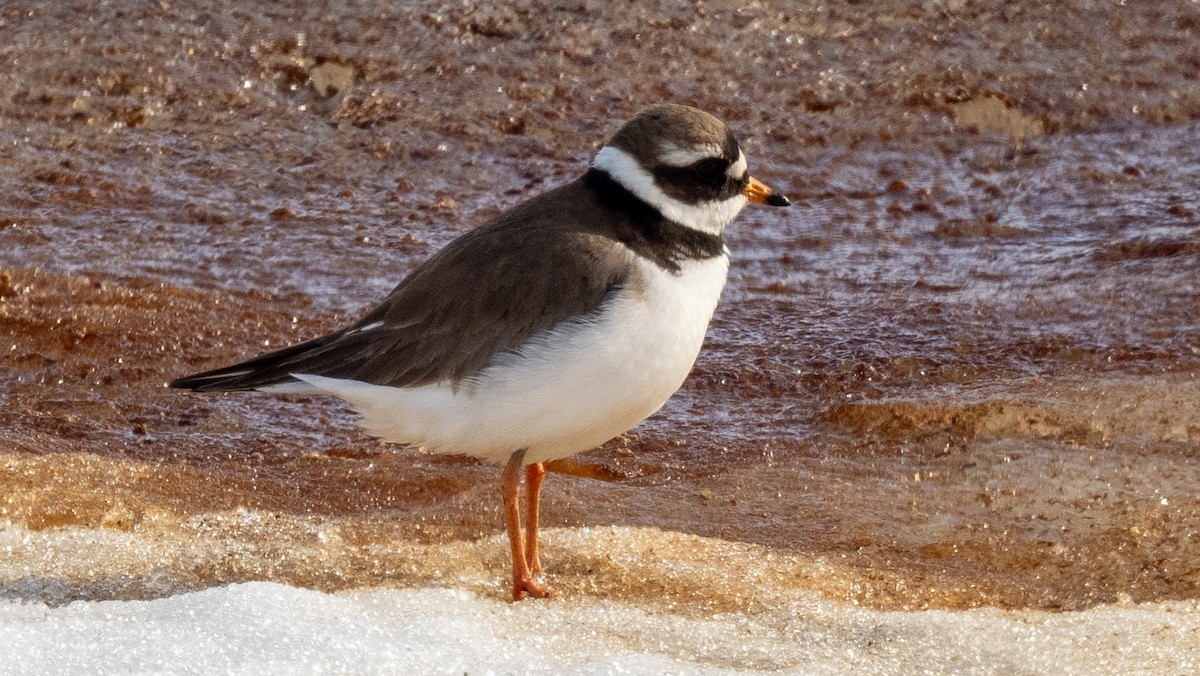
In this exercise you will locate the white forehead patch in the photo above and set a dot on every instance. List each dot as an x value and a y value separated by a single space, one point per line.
678 156
738 169
710 217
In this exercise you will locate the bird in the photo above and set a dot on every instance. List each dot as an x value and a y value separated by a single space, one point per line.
554 327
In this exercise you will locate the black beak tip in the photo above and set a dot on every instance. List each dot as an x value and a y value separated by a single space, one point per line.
777 200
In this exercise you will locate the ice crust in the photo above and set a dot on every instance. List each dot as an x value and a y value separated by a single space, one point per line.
272 628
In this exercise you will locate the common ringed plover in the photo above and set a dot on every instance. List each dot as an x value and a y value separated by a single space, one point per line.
556 326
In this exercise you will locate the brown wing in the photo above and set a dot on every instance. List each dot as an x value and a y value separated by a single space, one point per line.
486 293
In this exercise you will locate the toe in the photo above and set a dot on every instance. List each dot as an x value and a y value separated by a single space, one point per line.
533 588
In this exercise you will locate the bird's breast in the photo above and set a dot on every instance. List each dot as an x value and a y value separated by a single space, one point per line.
567 389
576 386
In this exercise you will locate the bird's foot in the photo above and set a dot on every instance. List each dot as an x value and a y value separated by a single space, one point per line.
533 586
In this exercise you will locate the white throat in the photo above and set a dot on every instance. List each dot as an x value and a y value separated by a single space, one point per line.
710 217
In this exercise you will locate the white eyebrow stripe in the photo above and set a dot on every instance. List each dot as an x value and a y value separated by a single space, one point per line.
710 216
676 156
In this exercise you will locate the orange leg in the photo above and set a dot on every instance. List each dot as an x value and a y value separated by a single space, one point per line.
534 474
523 579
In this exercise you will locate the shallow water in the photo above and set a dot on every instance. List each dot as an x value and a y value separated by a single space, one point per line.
960 372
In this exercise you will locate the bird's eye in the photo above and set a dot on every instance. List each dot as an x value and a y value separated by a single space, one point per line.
711 170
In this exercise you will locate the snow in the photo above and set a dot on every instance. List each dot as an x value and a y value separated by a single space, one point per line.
272 628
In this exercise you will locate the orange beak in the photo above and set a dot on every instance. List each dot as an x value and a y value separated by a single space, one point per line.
756 191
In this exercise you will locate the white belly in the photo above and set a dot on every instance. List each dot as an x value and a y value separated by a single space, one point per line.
564 391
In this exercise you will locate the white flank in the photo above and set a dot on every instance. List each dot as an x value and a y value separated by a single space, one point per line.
566 390
710 217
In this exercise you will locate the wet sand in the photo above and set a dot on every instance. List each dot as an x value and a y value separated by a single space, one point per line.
962 372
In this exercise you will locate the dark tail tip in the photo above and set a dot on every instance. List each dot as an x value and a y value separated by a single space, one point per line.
183 384
222 380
